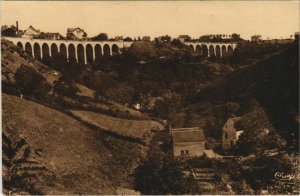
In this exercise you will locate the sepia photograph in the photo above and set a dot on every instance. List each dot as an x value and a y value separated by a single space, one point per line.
150 97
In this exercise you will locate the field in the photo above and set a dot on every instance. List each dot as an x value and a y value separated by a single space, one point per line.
72 152
131 128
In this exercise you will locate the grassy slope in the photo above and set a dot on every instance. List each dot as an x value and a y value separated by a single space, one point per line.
132 128
79 160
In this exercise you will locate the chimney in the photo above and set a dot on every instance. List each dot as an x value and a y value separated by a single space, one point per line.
17 26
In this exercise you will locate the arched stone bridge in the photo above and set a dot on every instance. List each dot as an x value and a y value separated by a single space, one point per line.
209 49
82 51
90 51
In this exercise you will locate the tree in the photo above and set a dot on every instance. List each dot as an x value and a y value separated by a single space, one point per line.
259 134
177 43
160 174
30 82
100 37
65 87
166 39
122 93
128 39
170 104
235 37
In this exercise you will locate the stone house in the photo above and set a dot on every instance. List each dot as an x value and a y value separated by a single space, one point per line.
31 32
188 142
229 133
76 34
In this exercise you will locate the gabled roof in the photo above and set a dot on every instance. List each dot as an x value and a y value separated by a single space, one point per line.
187 135
70 30
31 27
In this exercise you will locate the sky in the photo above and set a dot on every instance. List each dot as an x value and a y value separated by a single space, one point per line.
271 19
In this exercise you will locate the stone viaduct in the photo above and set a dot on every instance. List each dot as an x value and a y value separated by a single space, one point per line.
90 51
208 49
82 51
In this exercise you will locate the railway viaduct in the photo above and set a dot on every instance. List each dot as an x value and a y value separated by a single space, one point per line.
209 49
82 51
90 51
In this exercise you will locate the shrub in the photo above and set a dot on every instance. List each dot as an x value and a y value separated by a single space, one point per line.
259 134
30 82
65 87
17 167
160 174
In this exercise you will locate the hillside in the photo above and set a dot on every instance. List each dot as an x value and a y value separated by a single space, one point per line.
274 82
124 127
78 159
13 57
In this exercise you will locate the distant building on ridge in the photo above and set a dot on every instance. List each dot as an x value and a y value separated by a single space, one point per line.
31 32
76 34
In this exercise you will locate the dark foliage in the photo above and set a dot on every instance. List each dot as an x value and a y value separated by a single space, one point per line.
65 87
17 166
30 82
274 82
100 37
161 175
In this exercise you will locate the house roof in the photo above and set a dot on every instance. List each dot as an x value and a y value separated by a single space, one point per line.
184 36
70 30
31 27
51 33
187 135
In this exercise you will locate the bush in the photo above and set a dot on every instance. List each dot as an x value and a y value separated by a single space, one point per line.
259 134
17 167
121 92
177 43
30 82
162 175
65 87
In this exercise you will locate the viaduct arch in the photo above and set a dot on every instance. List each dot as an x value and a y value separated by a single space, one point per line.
209 49
80 51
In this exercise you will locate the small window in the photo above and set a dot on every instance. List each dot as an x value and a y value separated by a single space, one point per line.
186 152
182 152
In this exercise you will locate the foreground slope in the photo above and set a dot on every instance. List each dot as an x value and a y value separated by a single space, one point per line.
79 160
